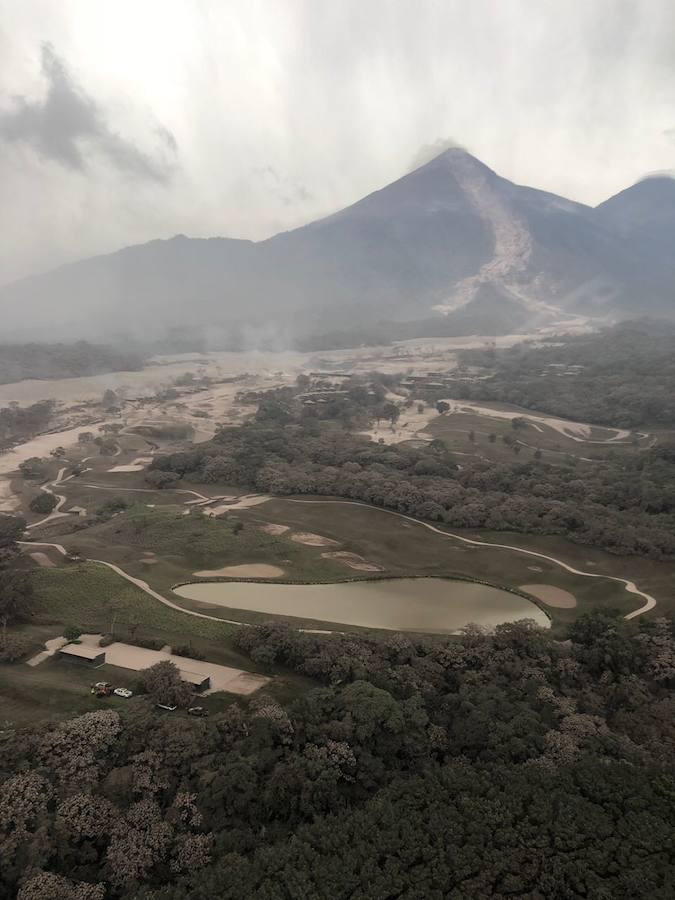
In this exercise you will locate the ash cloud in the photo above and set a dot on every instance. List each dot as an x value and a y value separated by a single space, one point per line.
429 151
68 126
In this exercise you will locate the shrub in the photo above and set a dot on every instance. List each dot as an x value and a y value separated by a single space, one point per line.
111 507
13 647
72 633
107 640
162 480
187 650
43 503
147 643
164 685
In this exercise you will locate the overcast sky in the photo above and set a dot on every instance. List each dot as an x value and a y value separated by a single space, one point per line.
134 119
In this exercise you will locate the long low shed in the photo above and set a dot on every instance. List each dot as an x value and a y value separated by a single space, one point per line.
83 655
198 681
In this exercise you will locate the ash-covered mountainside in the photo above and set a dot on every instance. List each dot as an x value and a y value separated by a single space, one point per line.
450 248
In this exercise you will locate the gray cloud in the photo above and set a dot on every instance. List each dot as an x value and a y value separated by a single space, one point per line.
288 110
68 125
287 190
428 151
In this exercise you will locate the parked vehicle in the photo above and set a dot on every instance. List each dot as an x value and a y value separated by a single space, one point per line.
164 706
102 689
123 692
197 711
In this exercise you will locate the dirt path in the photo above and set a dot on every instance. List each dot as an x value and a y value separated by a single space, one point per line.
145 587
138 582
576 431
56 512
111 487
630 586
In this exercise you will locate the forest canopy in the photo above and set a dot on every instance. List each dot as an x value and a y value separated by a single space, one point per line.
486 765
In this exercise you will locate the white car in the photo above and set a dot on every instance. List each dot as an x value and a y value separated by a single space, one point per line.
123 692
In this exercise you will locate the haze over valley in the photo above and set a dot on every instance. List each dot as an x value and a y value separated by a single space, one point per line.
449 249
337 555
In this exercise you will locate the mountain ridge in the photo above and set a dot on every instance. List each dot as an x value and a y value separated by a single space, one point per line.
450 236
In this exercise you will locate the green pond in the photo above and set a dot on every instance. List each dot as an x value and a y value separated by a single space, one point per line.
435 605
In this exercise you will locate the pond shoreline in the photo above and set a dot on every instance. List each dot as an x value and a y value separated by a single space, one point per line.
430 602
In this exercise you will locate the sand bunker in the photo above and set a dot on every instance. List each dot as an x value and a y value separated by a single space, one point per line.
251 570
313 540
244 502
353 560
136 466
271 528
551 596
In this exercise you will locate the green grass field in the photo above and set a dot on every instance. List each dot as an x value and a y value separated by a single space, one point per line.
95 599
406 548
454 429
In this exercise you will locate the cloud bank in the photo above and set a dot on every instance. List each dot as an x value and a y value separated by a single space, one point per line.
67 126
277 112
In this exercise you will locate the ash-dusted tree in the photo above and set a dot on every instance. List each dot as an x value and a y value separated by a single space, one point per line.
43 503
110 399
164 685
34 468
11 529
16 594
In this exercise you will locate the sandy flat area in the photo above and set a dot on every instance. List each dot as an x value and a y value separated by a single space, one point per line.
41 445
550 595
52 646
353 560
410 426
244 502
136 466
275 530
313 540
251 570
42 559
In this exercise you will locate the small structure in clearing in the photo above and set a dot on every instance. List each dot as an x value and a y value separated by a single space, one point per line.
83 655
198 681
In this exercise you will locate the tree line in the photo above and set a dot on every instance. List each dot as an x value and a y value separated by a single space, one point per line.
20 361
625 376
625 506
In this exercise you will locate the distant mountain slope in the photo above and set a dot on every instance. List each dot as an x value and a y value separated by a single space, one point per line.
644 214
447 248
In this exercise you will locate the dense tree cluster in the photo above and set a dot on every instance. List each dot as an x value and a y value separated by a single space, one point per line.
22 421
622 506
497 765
19 361
625 376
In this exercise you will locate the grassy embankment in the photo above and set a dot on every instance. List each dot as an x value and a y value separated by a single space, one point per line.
454 429
97 600
184 544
